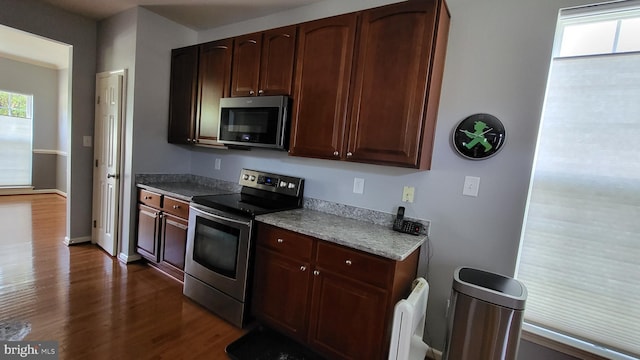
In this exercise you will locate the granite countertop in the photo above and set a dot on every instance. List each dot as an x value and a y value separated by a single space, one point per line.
182 190
357 234
361 229
185 186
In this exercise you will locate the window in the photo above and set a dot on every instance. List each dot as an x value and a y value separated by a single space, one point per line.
15 139
580 245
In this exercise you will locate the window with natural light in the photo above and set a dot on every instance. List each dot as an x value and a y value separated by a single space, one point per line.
580 245
16 125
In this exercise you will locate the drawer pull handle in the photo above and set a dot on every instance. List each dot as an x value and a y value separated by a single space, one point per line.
348 262
147 197
280 241
176 206
303 268
316 272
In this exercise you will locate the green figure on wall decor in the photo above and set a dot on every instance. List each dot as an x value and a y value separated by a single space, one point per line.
479 136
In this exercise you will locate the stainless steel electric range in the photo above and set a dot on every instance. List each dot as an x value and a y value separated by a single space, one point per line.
220 241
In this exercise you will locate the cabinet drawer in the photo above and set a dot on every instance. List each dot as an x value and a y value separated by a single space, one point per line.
355 264
285 242
150 198
176 207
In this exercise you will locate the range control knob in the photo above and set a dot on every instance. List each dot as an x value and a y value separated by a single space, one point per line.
283 184
245 177
292 185
252 178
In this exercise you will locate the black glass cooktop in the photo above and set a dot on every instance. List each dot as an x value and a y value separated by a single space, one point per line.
244 204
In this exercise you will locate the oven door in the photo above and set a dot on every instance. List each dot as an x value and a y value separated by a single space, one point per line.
218 250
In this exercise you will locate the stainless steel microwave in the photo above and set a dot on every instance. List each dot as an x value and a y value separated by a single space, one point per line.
257 121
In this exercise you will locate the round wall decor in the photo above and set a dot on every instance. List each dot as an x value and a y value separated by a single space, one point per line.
479 136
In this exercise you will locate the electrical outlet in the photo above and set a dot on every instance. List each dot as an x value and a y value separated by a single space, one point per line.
407 194
471 186
217 164
358 185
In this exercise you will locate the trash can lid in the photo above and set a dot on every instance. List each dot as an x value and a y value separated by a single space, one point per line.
494 288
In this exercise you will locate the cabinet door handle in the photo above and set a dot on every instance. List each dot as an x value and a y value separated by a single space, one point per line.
280 241
316 272
251 92
348 262
109 176
303 268
349 154
335 153
260 92
176 206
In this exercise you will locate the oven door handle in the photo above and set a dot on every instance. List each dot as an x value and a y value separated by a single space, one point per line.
210 215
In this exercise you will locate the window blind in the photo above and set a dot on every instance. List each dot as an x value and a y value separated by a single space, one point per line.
15 139
580 246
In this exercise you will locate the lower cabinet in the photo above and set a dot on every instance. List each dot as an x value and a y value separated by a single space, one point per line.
337 300
162 231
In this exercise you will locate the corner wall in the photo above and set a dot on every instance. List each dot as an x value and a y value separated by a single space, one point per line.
42 83
50 22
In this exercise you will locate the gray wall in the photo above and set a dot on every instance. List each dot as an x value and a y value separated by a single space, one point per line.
497 62
42 83
49 22
140 42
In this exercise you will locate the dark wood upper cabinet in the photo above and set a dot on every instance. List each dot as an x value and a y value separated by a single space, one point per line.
263 63
246 65
322 75
379 106
214 76
396 85
200 76
183 92
277 61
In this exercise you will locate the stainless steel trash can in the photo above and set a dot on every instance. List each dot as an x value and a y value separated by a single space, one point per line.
485 316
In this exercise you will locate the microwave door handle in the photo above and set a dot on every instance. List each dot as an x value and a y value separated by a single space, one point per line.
284 125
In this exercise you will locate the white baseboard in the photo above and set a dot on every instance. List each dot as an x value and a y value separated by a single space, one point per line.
78 240
128 258
30 191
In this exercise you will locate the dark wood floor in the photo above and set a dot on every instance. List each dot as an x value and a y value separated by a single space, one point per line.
93 305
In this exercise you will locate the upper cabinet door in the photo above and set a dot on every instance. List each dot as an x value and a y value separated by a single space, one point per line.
183 91
277 61
214 83
246 65
322 75
391 84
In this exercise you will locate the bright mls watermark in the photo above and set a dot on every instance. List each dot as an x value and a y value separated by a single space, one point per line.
29 350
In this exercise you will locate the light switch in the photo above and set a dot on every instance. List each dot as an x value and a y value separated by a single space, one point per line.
86 141
407 194
217 164
471 186
358 185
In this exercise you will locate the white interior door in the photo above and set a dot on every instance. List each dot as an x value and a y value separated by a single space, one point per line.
106 171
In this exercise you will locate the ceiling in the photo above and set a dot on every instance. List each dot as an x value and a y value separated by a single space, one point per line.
195 14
